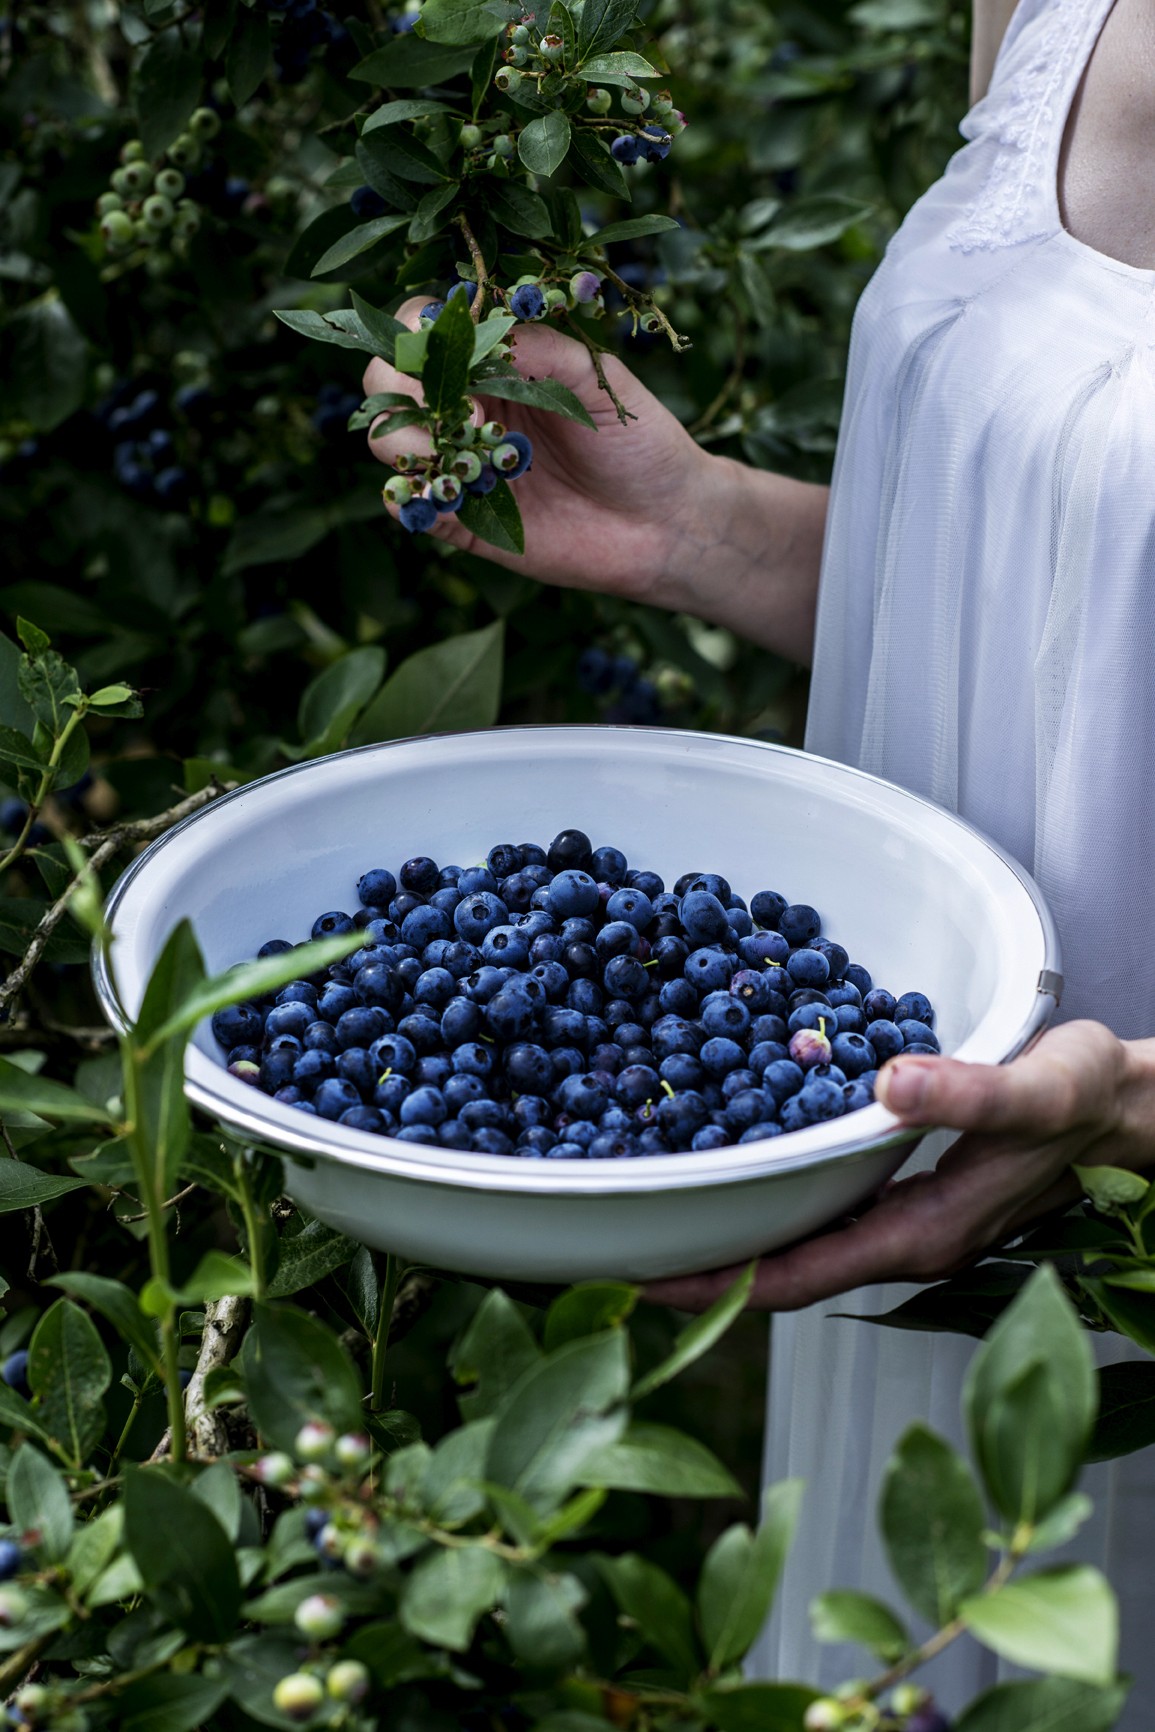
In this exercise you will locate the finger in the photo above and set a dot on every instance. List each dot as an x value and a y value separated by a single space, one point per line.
1064 1081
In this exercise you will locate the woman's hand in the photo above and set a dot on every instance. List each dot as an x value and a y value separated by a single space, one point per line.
1080 1097
602 510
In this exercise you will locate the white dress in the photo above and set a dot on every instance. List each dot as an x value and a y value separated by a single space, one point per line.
986 637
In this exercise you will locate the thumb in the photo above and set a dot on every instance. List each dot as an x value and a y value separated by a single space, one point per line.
969 1097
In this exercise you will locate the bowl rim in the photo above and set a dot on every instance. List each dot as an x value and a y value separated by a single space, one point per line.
276 1124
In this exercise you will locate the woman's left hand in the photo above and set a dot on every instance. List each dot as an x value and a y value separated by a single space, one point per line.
1080 1096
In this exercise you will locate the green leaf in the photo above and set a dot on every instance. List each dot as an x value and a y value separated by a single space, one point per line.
811 222
492 1354
588 1310
932 1521
845 1616
633 228
331 328
16 748
538 394
69 1372
307 1257
658 1459
24 1187
459 21
557 1417
519 210
216 1276
45 359
1029 1399
1062 1524
218 1489
1126 1420
20 1092
700 1335
448 1592
540 1618
20 1414
119 1305
603 22
448 356
489 333
495 517
659 1608
1131 1314
1110 1188
450 1484
427 218
93 1547
451 685
756 1707
167 88
410 63
249 980
357 241
739 1577
332 702
295 1369
592 160
544 144
247 55
169 1702
410 108
1044 1705
184 1556
38 1502
409 352
1063 1621
621 67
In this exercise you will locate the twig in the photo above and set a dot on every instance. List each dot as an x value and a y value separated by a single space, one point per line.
170 1204
106 845
633 296
624 415
224 1320
12 1670
462 222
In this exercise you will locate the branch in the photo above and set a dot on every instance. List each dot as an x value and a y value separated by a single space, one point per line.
462 222
625 416
224 1320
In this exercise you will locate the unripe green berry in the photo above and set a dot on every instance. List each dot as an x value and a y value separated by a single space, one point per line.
503 145
108 201
298 1696
170 182
498 167
552 47
651 324
184 151
32 1700
599 101
13 1606
188 217
519 33
137 176
515 55
353 1449
362 1556
446 488
314 1440
825 1715
466 434
504 457
314 1482
470 136
348 1681
397 491
506 78
118 229
556 301
908 1698
330 1541
492 433
320 1617
635 101
122 183
275 1469
205 123
157 211
132 150
467 466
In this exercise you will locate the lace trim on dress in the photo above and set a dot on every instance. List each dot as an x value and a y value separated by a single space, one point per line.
1017 203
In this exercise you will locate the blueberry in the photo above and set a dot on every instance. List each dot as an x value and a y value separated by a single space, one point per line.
760 1133
473 1058
836 957
626 149
916 1033
424 1106
704 917
335 999
857 1095
569 851
366 204
783 1078
709 970
291 1018
681 1115
884 1038
506 946
377 888
654 143
609 866
808 968
631 907
490 1141
11 1559
859 977
313 1067
914 1007
14 1372
355 1066
853 1053
851 1020
528 302
720 1055
477 913
571 893
799 923
331 926
237 1025
334 1097
724 1014
418 516
625 977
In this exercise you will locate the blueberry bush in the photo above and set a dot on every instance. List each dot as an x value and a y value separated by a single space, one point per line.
253 1474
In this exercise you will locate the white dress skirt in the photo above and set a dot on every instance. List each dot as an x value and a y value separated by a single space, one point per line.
986 637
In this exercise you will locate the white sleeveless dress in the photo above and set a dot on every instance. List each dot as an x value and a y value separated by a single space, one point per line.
986 637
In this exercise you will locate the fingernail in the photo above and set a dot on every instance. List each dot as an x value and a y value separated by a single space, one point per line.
905 1087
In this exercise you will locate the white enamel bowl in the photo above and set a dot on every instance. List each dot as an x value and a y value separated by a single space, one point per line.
917 896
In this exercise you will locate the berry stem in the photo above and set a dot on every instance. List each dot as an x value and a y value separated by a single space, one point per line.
394 1270
635 299
462 222
625 416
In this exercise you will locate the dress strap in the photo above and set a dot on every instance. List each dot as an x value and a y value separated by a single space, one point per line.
1044 55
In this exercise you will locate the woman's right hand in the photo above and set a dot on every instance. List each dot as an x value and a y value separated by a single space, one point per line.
602 510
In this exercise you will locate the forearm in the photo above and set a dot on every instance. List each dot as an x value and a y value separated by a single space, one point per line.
747 556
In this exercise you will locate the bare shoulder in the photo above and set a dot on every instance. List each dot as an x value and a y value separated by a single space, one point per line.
989 26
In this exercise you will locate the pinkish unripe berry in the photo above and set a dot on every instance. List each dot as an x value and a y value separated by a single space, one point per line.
276 1469
353 1449
314 1440
585 286
298 1696
320 1617
808 1047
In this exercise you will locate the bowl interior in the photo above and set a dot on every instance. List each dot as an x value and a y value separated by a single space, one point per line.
917 897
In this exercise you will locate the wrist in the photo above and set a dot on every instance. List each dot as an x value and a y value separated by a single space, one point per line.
1136 1095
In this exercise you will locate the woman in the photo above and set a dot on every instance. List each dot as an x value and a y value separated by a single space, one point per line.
980 635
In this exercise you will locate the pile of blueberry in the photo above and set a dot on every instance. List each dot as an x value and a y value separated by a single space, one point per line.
554 1003
145 458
